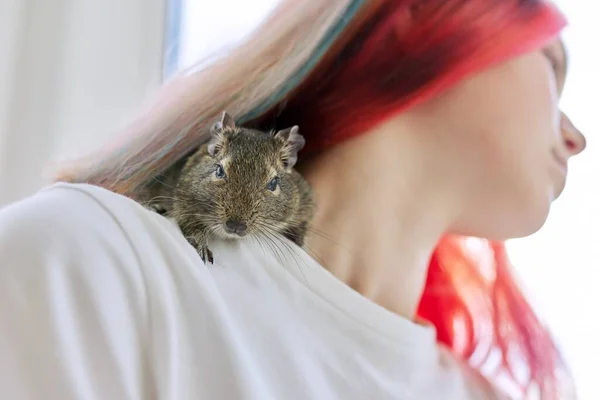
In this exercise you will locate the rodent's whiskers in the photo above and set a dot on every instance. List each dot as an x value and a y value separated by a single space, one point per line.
175 189
199 221
149 202
268 241
216 230
200 216
275 238
312 230
258 241
275 242
155 178
161 197
312 253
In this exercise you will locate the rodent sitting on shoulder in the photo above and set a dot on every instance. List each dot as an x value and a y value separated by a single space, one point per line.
242 184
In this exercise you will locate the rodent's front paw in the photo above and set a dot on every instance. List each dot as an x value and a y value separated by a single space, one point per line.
205 254
203 251
192 241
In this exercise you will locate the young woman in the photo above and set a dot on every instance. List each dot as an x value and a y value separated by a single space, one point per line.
433 134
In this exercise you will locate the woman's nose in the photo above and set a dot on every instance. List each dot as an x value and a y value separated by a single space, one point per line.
574 140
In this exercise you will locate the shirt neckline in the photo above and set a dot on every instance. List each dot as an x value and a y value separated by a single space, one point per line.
396 329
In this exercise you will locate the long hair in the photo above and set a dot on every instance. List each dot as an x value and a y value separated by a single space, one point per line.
337 68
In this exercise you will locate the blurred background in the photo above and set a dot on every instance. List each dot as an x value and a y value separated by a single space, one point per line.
72 72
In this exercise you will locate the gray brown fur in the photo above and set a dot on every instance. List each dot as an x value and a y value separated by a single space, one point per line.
202 203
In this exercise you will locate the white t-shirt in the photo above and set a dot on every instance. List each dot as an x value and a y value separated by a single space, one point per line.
101 299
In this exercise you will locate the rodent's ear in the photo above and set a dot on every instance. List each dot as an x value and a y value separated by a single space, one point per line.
226 122
219 132
291 136
293 142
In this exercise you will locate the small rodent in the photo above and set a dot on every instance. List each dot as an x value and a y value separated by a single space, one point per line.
240 184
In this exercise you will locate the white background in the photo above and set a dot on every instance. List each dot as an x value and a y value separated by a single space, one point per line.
560 265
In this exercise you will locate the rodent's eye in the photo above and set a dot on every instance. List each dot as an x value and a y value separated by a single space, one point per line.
272 185
219 171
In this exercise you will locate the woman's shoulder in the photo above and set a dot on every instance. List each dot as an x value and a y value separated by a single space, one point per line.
75 222
84 236
92 281
72 236
59 217
78 212
64 207
71 292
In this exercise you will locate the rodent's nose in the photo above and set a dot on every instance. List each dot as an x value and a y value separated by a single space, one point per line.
237 227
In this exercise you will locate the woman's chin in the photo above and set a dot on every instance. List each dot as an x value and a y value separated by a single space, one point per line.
529 223
519 223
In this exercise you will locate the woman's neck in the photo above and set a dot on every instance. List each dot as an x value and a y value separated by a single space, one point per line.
380 214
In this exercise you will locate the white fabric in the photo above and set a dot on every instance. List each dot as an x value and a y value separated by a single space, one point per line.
102 299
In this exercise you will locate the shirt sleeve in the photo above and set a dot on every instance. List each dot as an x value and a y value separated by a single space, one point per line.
72 302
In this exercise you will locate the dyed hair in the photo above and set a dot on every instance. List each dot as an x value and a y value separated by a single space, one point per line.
347 65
